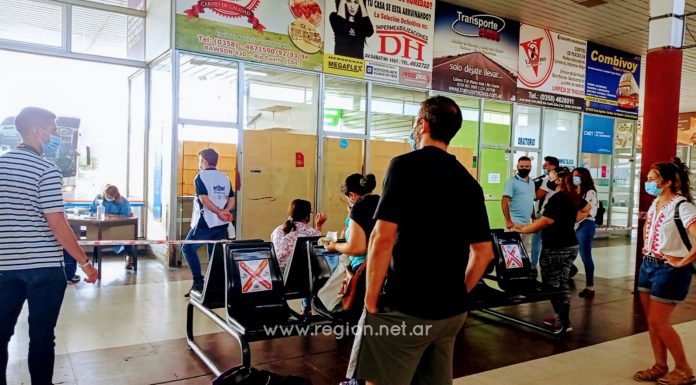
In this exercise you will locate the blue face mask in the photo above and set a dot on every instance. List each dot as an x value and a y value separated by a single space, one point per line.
51 148
652 189
109 199
577 181
412 142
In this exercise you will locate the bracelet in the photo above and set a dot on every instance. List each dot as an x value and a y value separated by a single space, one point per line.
86 263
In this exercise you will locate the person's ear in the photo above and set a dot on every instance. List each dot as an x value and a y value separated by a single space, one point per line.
425 127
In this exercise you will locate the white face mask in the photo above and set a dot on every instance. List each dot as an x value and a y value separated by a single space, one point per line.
108 199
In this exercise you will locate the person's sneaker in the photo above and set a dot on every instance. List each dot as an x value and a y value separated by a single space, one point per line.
129 263
550 321
554 323
586 293
75 279
198 288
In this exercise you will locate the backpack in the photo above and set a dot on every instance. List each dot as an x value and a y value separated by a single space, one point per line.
251 376
680 226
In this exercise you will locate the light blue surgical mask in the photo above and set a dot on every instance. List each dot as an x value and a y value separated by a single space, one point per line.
577 181
109 199
54 141
652 189
412 142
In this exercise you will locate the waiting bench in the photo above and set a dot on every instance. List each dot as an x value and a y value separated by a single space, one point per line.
244 278
515 278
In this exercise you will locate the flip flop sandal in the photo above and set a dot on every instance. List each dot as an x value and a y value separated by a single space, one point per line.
651 375
678 377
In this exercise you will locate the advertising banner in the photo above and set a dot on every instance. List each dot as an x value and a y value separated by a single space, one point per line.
282 32
597 135
476 54
551 69
385 40
612 82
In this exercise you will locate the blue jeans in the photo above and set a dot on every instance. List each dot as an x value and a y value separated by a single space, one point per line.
43 289
70 265
191 250
585 233
536 249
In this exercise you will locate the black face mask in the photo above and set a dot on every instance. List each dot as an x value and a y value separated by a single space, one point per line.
552 185
523 172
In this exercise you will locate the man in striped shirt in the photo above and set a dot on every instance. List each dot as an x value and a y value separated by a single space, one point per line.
33 234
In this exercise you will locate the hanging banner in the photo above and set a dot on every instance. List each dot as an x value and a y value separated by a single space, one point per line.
385 40
551 69
611 82
475 54
597 135
282 32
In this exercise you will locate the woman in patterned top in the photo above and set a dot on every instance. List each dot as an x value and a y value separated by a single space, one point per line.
297 225
665 273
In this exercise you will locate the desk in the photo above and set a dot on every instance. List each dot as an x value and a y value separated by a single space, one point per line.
112 228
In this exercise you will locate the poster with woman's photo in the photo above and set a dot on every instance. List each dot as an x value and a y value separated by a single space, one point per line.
386 40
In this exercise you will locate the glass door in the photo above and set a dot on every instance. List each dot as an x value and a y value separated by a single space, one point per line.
279 148
496 157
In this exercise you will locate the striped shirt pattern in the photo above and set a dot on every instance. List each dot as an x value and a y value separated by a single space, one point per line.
30 187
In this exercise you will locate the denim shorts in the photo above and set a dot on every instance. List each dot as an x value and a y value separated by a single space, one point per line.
665 283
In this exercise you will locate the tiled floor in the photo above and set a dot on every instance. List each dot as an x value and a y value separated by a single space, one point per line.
130 330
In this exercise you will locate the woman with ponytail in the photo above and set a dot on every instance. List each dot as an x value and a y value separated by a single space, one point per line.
362 204
297 225
665 273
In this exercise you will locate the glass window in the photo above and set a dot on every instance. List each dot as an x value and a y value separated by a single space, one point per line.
342 157
280 147
345 106
207 89
394 112
621 192
599 166
136 140
31 22
133 4
465 143
107 34
497 123
527 127
623 136
159 149
561 131
93 130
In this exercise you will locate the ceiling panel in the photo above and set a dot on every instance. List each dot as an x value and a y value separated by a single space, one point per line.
621 24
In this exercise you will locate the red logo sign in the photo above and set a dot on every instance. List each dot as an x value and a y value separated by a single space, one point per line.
227 8
255 276
533 50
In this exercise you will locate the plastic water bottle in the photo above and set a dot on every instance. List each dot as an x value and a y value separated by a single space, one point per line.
101 211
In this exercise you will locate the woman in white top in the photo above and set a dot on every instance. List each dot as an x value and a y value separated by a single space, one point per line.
586 228
665 274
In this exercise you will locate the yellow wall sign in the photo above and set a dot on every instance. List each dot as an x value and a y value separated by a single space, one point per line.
343 65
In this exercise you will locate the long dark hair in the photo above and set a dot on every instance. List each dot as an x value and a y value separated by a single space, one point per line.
299 211
357 14
678 173
567 185
586 181
359 184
